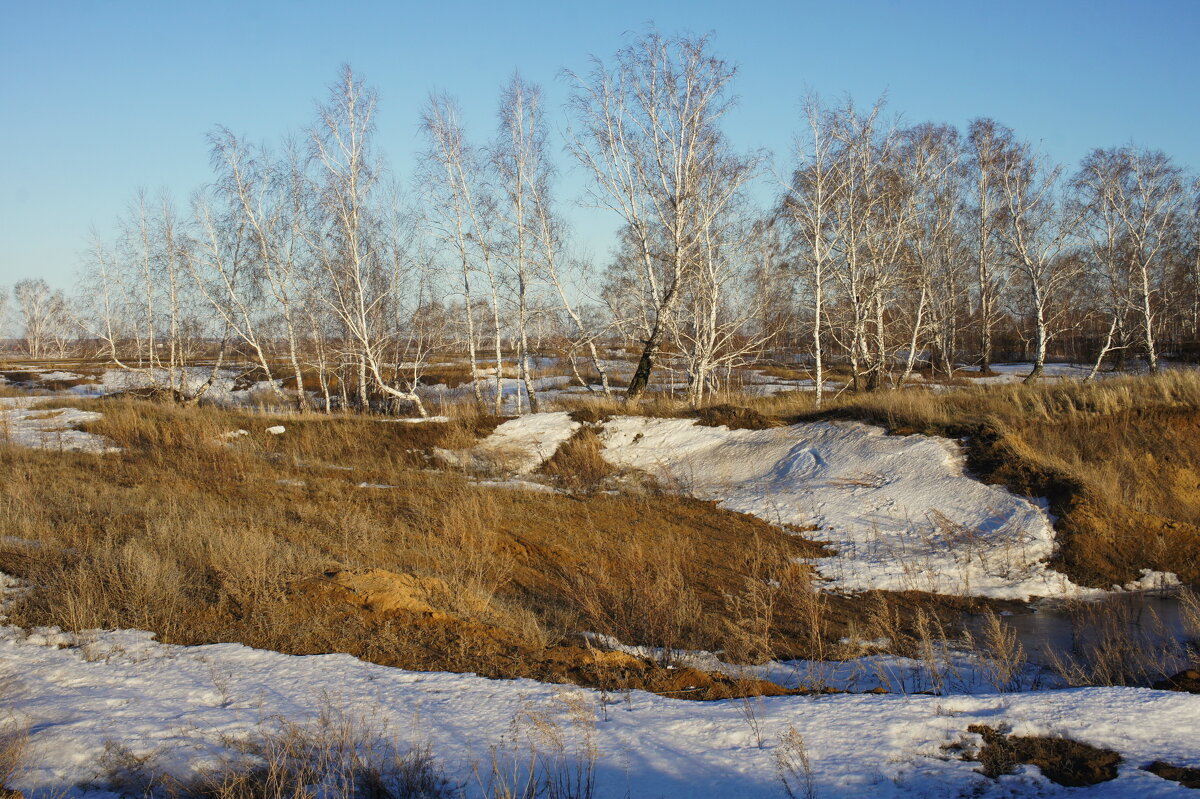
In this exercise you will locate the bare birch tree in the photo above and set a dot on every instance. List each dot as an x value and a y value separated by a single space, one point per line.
1148 201
1037 231
818 182
345 240
1095 191
990 149
39 308
648 133
518 156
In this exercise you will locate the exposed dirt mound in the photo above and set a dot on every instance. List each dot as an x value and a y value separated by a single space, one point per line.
1186 681
1061 760
733 417
397 620
382 591
1185 776
1104 543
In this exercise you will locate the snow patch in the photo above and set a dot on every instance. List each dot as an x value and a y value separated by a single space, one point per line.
519 445
898 510
1152 581
54 429
46 376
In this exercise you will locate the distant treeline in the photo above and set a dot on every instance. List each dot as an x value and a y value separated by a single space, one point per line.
889 248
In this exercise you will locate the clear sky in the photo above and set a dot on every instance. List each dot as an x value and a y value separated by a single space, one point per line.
99 98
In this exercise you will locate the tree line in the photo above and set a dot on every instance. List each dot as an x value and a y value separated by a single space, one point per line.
886 249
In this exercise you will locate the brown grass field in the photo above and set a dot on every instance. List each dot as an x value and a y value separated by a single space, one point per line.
275 541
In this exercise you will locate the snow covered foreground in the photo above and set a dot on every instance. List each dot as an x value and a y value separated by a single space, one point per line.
183 705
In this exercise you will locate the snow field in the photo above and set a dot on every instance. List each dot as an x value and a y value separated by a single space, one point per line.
185 704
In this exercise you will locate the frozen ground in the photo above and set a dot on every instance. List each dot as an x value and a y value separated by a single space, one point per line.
183 706
1016 372
48 429
514 398
948 671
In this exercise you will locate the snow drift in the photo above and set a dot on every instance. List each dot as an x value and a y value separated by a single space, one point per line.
898 510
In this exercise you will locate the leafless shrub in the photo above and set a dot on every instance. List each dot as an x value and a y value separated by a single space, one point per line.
1001 653
793 767
339 756
545 756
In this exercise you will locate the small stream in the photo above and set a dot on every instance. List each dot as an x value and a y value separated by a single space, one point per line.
1153 621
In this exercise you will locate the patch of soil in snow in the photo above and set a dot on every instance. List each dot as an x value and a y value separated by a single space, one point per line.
1061 760
1185 776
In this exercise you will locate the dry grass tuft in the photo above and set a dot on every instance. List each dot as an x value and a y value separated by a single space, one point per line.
578 464
342 756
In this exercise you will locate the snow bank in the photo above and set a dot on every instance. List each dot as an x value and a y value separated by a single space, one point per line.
49 429
76 693
519 445
898 510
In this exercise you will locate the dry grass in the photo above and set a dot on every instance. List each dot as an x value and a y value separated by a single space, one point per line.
793 767
202 538
1119 643
13 744
337 755
547 753
579 463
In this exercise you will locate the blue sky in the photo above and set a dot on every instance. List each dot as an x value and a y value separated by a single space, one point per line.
101 97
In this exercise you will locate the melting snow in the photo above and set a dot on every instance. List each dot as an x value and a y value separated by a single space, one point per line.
898 510
49 429
519 445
